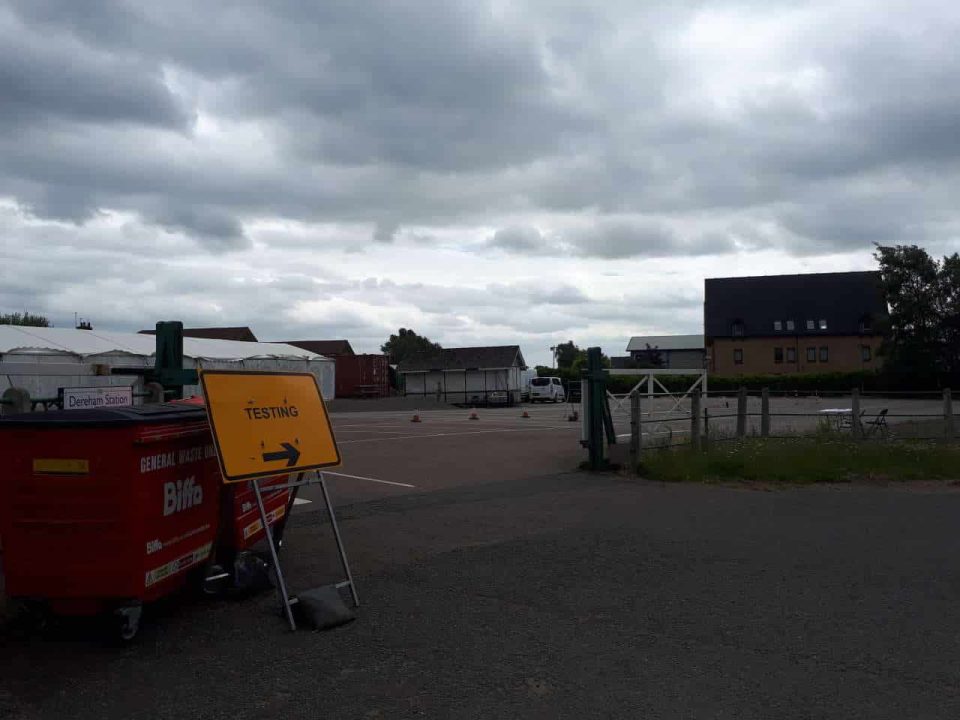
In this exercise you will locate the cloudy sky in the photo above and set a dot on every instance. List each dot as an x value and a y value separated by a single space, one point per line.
483 172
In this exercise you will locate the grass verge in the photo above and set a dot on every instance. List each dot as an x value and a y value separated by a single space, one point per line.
804 460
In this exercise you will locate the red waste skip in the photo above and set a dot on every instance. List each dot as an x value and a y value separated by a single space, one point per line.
242 527
108 508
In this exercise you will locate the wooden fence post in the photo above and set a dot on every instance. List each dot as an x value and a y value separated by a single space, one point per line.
765 412
706 428
741 412
855 413
948 430
695 420
636 430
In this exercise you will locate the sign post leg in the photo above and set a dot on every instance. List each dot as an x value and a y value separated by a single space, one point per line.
281 526
336 534
281 584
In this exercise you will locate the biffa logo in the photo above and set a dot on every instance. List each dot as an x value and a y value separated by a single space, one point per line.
181 495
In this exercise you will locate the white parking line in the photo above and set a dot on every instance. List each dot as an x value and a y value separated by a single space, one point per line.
405 430
368 430
454 434
359 477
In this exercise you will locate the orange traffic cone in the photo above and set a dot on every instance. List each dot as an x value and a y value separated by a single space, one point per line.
416 417
525 414
473 415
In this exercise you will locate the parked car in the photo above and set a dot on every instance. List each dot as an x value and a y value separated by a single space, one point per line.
525 377
547 389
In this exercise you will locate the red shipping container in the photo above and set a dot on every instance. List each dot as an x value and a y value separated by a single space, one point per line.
101 508
362 376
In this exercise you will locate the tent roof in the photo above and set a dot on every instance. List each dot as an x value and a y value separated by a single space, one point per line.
83 343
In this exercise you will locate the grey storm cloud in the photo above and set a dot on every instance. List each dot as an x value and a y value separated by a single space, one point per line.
413 113
610 239
214 229
615 239
524 240
65 80
529 132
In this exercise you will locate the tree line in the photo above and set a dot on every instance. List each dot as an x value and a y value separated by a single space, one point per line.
24 319
921 334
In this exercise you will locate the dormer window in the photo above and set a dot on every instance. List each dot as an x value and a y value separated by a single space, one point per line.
823 324
777 325
790 325
736 329
865 324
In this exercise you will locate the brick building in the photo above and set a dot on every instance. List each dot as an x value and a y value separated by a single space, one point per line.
783 324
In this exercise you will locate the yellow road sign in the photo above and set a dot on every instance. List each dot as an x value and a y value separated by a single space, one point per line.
268 423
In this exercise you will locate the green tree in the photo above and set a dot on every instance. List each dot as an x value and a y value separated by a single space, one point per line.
24 318
950 312
651 357
566 353
405 344
922 335
580 362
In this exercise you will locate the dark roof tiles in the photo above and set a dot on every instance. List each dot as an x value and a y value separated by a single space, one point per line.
469 358
323 347
842 299
243 334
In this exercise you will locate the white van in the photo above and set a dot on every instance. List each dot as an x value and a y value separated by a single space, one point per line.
547 389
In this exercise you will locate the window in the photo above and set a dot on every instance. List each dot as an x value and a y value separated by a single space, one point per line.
811 354
778 355
540 382
823 324
824 354
777 325
790 325
737 328
811 325
791 355
556 381
865 353
865 324
738 356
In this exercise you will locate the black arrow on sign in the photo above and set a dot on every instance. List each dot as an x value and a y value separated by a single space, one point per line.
289 453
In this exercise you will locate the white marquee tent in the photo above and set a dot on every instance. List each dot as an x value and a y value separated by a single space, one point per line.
42 360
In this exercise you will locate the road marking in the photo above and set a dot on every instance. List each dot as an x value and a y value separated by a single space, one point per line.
359 477
301 501
376 430
405 430
455 434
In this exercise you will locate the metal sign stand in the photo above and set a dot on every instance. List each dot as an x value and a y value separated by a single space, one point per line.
300 481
